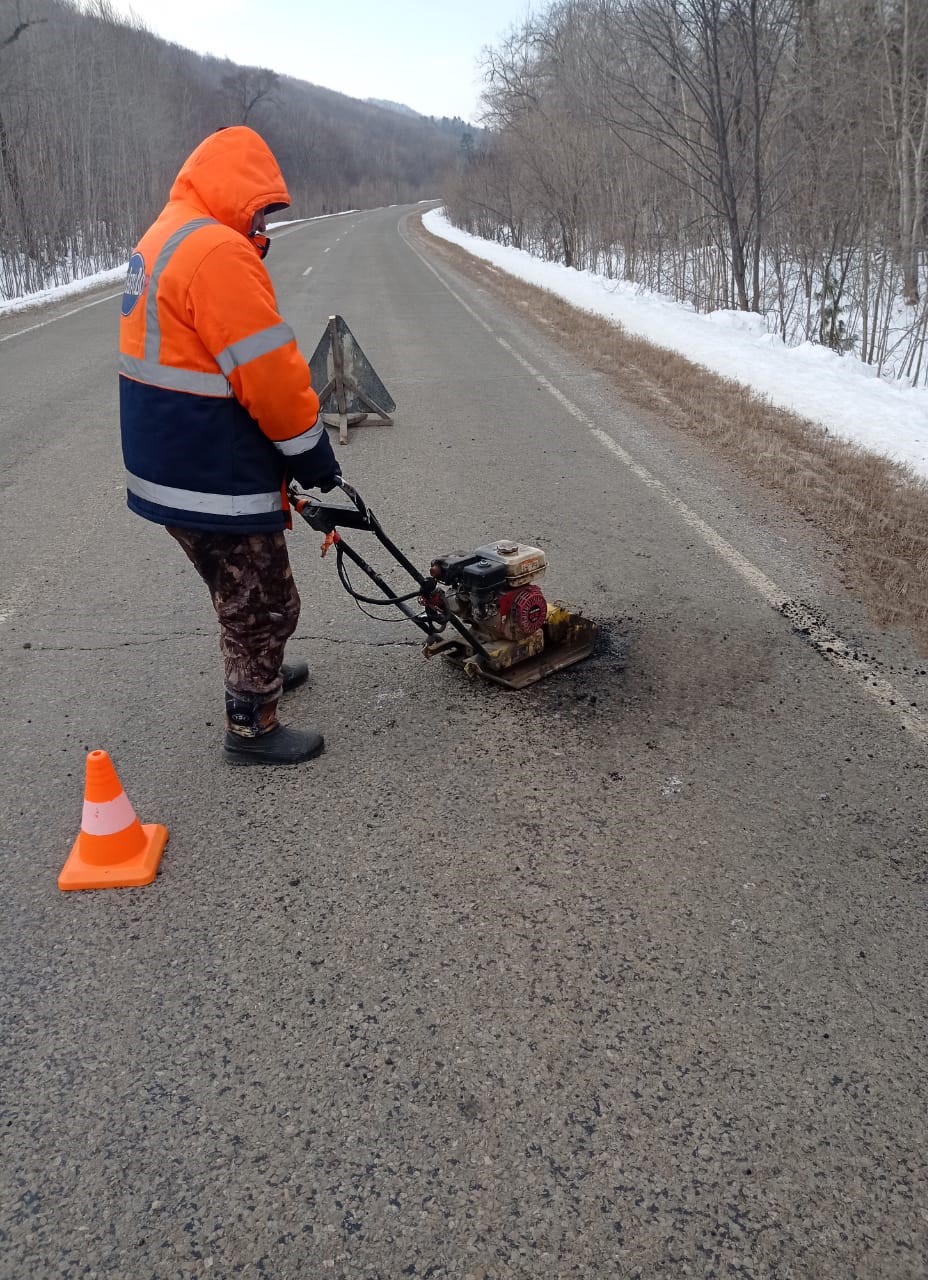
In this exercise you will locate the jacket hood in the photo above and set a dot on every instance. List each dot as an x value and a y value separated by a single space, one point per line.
231 175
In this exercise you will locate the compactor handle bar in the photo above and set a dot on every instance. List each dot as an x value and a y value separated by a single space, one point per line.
328 517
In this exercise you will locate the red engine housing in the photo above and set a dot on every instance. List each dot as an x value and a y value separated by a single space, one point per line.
522 612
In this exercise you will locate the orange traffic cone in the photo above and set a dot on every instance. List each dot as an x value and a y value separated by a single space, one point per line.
113 849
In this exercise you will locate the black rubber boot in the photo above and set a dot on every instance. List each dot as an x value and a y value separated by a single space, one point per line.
280 745
254 735
294 674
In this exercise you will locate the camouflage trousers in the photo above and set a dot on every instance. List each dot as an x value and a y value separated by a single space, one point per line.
257 603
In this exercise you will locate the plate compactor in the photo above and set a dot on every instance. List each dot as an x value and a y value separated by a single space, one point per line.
483 610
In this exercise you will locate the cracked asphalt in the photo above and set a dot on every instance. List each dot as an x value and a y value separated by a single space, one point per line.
623 976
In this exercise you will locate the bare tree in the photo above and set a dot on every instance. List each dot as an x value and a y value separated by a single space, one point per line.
696 79
247 87
8 161
902 27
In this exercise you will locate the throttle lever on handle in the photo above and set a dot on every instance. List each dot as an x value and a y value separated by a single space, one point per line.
351 494
299 496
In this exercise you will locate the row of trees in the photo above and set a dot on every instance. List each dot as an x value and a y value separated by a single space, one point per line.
97 115
767 155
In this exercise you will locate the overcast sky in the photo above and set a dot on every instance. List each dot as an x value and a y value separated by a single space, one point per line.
423 53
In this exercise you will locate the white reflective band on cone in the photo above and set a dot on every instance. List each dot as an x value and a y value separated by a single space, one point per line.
107 817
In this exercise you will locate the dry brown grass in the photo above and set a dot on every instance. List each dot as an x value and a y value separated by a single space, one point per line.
875 511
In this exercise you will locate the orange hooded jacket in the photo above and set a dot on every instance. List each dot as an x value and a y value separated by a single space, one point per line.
216 404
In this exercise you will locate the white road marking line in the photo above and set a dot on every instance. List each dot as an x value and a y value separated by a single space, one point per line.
827 643
307 271
64 315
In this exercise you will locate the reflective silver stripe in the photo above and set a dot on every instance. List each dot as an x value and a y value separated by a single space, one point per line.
152 328
302 443
214 504
173 379
259 344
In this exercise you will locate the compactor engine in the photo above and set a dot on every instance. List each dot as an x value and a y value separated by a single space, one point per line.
495 591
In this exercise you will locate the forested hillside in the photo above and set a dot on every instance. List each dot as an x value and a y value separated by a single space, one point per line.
763 155
96 116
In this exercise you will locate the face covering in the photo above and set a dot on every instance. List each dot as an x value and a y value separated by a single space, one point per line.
261 242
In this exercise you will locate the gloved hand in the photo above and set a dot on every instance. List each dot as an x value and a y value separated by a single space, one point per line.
318 468
329 483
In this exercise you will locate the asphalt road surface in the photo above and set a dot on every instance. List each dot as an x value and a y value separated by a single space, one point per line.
622 976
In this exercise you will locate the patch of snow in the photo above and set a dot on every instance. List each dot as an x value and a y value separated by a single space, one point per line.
111 275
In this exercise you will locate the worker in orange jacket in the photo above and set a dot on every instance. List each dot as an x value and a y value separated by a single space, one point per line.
217 413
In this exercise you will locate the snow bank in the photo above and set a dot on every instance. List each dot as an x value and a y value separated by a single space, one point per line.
111 275
843 395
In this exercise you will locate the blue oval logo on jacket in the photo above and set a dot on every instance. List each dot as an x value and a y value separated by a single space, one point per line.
136 283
